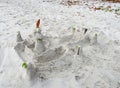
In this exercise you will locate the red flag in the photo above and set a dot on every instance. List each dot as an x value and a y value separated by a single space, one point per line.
38 23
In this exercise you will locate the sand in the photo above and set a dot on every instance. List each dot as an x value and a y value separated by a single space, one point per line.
96 65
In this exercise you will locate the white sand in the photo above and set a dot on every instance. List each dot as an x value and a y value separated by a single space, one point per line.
97 66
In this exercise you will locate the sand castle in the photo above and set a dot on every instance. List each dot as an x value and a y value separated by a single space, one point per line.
42 60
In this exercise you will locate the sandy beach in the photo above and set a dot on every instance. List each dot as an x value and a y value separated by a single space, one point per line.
83 60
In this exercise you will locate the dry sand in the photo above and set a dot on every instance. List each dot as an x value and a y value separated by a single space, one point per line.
96 66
